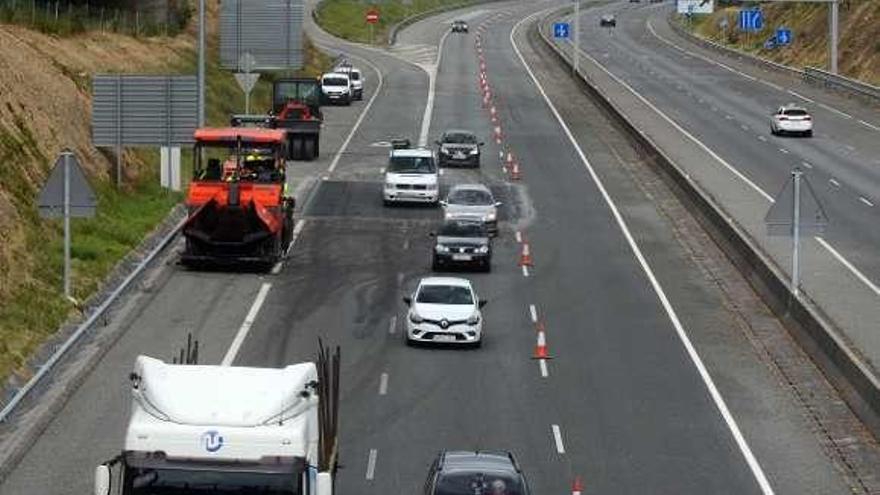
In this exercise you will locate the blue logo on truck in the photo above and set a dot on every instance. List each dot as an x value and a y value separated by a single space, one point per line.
212 440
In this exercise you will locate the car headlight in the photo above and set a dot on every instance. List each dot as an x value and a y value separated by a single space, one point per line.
415 318
441 248
448 216
473 319
483 249
490 217
475 151
432 187
445 151
389 186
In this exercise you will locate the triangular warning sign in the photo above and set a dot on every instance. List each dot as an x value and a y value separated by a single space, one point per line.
780 217
82 198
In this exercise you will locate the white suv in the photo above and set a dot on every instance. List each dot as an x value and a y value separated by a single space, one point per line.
411 176
444 310
336 88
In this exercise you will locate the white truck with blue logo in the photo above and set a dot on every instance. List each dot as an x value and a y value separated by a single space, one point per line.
198 429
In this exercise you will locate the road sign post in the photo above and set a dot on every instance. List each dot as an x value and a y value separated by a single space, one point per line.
372 17
247 78
795 214
66 194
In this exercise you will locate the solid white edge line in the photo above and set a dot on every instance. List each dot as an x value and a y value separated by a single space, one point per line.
849 265
834 110
542 363
681 129
383 384
357 123
432 85
740 440
533 311
869 125
371 464
798 95
246 325
557 438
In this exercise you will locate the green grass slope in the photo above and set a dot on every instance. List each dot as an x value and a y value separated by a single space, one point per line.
859 45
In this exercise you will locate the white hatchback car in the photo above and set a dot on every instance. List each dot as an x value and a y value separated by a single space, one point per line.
444 310
791 119
412 177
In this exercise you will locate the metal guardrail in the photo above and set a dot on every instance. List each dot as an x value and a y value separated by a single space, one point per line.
87 324
813 75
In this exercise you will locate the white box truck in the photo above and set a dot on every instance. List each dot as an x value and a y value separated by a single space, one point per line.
198 429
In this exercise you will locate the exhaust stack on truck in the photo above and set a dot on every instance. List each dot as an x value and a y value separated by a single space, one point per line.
224 429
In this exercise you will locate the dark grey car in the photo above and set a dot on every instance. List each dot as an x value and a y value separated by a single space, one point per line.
461 243
459 147
475 473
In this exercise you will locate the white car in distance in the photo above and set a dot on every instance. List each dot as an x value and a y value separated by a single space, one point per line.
791 119
412 177
444 310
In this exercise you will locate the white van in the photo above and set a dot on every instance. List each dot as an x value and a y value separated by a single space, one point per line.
357 80
336 88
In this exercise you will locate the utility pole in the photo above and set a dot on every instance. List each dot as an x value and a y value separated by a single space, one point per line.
577 34
833 28
201 75
832 33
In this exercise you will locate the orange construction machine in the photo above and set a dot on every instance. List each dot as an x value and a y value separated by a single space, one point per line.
239 211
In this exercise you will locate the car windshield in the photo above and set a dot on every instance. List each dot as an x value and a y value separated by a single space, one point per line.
479 484
444 294
463 229
411 164
460 138
335 81
470 197
148 481
795 111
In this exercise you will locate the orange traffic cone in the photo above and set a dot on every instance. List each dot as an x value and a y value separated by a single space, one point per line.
541 348
514 171
525 259
577 487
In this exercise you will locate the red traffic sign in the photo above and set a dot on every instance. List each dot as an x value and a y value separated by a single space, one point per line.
372 16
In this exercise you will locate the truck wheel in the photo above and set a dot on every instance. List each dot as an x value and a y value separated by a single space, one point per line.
296 150
309 153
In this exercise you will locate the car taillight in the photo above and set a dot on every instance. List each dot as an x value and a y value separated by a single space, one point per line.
808 118
782 117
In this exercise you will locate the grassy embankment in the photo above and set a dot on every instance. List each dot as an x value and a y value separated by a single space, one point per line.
345 18
31 305
859 44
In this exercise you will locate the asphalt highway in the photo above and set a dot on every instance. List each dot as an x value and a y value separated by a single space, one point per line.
725 105
652 387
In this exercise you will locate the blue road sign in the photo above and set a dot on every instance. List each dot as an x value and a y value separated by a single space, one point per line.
560 29
783 36
751 20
